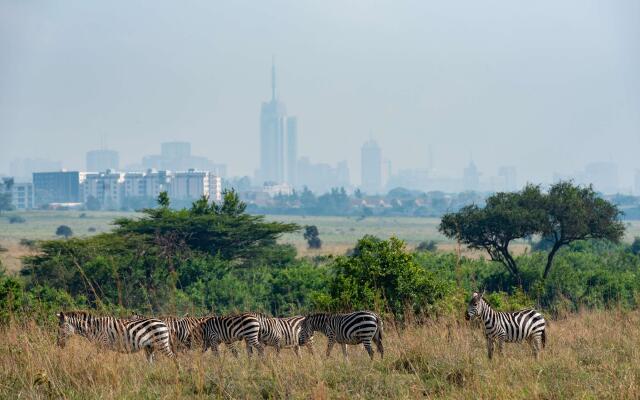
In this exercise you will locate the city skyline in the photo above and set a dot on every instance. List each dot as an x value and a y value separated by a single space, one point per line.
425 85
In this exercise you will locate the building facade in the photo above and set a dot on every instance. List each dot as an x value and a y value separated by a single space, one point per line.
22 196
371 167
105 187
56 187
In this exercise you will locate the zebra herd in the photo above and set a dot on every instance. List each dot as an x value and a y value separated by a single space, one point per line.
170 334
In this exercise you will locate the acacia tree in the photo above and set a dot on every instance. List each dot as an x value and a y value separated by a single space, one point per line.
565 214
577 213
505 218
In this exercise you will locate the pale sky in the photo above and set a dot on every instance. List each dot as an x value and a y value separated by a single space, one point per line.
546 85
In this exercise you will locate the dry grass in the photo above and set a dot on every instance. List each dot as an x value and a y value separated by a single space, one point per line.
591 355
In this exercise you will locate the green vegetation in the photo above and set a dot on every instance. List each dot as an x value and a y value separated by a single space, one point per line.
566 214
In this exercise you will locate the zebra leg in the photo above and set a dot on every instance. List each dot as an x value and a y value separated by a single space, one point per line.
536 343
296 349
368 348
378 342
148 350
490 347
330 344
344 350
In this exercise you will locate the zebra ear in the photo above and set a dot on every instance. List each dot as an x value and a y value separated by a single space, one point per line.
482 294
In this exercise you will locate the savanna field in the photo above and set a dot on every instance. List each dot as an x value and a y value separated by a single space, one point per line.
150 263
590 355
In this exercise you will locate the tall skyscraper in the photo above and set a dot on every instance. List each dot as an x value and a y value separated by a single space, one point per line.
471 178
371 162
292 150
272 131
102 160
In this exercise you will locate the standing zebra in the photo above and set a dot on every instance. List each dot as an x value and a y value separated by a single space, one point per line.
282 333
500 327
356 327
123 335
185 332
230 329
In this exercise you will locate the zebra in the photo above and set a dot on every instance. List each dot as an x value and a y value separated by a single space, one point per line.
282 333
229 329
353 328
184 330
123 335
500 327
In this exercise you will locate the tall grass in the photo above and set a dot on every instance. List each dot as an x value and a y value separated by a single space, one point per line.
589 355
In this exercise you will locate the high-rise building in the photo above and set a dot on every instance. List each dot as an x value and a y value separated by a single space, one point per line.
471 177
102 160
371 164
172 150
292 150
272 127
508 178
56 187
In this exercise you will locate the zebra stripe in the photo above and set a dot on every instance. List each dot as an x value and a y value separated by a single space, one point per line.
184 330
123 335
230 329
282 333
500 327
353 328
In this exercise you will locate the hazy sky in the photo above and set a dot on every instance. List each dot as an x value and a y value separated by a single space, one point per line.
546 85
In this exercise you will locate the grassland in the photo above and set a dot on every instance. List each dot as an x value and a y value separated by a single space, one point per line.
338 234
593 355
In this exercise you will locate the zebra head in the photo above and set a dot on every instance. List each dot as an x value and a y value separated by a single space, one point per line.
310 324
66 328
475 306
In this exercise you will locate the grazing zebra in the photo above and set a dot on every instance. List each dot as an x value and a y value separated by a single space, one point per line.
185 332
124 335
282 333
357 327
500 327
229 329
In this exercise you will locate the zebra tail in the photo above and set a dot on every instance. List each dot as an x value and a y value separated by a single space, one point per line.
544 338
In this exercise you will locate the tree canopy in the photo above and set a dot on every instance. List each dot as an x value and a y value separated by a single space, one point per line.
224 229
566 213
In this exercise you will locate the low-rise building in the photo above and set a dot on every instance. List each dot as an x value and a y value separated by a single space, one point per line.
56 187
22 196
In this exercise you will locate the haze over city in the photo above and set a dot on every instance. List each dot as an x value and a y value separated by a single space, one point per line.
547 88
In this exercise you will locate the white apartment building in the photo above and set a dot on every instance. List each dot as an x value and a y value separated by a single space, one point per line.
192 184
22 196
107 187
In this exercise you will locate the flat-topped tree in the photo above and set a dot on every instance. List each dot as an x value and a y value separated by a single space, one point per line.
577 213
565 214
505 218
215 228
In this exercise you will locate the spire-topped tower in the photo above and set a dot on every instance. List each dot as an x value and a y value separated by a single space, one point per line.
273 78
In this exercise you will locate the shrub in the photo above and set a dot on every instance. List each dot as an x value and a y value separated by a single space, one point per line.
382 275
430 245
17 219
64 230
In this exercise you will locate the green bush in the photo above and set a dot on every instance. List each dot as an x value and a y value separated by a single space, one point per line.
382 275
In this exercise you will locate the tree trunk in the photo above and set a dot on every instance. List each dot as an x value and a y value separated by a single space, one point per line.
550 256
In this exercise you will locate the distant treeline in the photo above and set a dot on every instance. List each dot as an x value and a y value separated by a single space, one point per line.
396 202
